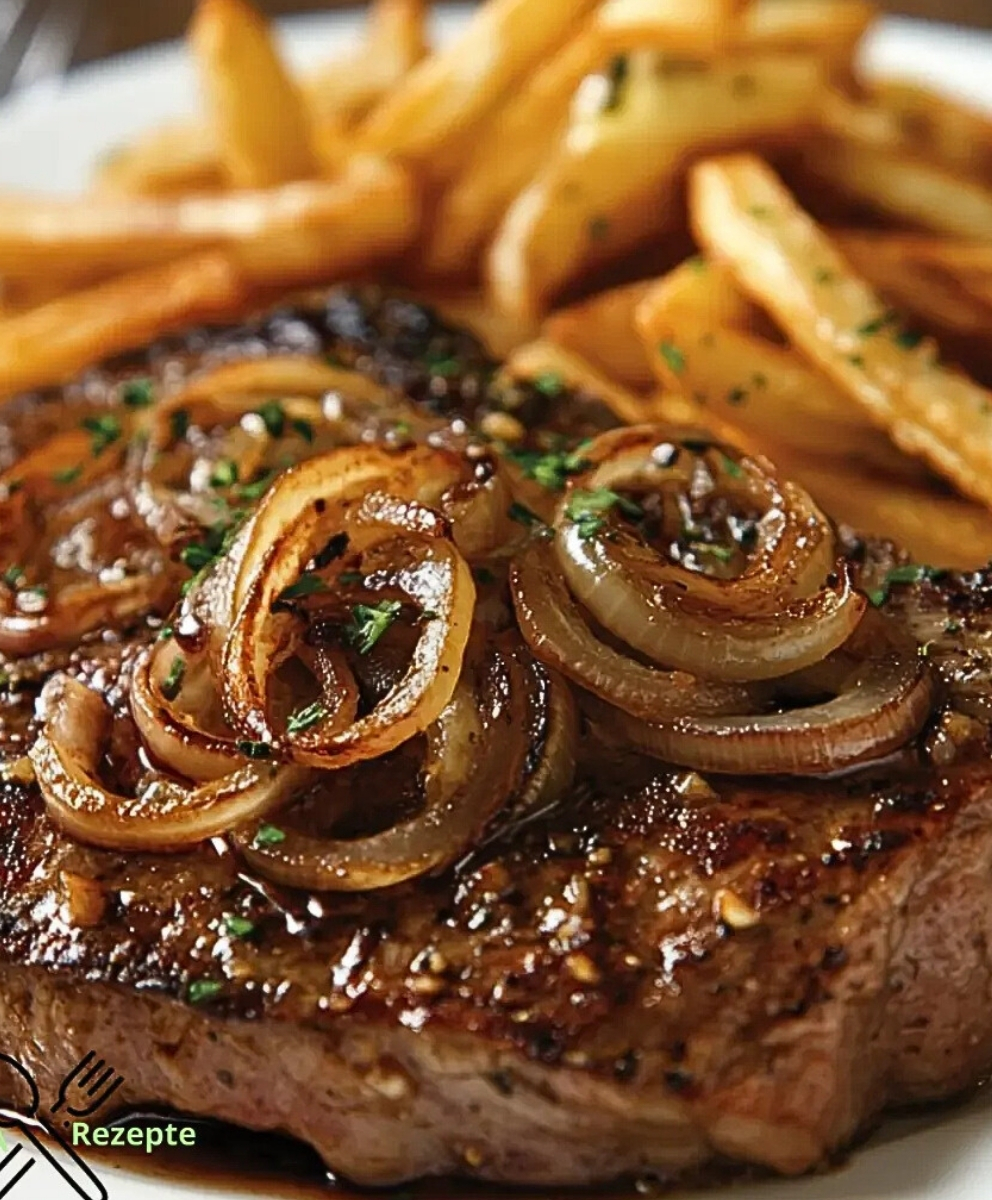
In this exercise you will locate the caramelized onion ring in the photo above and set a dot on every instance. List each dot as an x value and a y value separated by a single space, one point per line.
168 815
471 762
885 693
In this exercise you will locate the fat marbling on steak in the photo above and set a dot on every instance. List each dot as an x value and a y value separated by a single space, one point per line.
663 972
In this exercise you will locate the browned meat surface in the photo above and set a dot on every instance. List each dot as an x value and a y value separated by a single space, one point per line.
663 972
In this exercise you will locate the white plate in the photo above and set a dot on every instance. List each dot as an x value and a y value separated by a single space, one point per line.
49 139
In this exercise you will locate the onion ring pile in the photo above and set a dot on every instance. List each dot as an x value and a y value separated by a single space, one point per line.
373 601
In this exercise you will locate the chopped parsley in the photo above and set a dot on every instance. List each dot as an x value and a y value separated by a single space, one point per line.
721 553
67 474
165 633
483 575
587 509
197 555
257 488
877 324
306 718
369 622
13 577
856 360
179 424
173 682
104 430
307 585
552 469
239 927
733 469
273 417
825 275
268 835
351 577
905 574
302 429
673 356
257 751
224 474
549 383
952 627
138 393
761 211
736 395
908 339
203 989
444 365
616 75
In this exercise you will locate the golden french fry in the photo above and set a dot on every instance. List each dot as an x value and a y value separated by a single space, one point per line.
613 180
300 233
500 333
964 259
936 126
524 129
167 161
696 293
830 29
603 329
50 344
261 124
696 27
440 103
902 187
934 527
395 40
744 216
544 358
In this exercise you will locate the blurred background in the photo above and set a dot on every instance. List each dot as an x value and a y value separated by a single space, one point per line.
56 31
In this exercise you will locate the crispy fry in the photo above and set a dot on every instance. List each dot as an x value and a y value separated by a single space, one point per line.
906 189
500 333
602 329
524 129
697 27
52 343
300 233
260 121
542 357
951 132
395 40
167 161
613 181
965 259
743 215
436 108
831 29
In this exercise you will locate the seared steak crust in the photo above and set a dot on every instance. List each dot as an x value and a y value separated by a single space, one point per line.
662 972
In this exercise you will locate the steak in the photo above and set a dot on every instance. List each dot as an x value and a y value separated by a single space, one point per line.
662 973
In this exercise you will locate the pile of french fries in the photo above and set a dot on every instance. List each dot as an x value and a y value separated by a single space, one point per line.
697 209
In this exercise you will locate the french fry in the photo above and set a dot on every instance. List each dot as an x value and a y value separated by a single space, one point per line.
602 329
50 344
542 357
168 161
904 188
965 259
500 333
261 124
395 40
432 114
954 134
613 181
300 233
524 129
701 28
830 29
744 216
935 528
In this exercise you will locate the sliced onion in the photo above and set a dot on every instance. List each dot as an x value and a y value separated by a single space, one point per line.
475 753
554 738
557 632
885 693
166 815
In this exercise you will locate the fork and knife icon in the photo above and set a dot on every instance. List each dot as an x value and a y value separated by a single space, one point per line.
84 1089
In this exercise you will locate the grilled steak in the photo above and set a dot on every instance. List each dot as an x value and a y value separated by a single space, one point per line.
662 972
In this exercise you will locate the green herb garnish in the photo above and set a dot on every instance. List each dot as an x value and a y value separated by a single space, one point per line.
306 718
179 424
908 339
349 578
369 622
877 324
224 474
599 227
268 835
13 577
617 75
523 515
549 383
734 470
587 509
483 575
550 470
303 429
104 430
173 682
258 487
138 393
673 356
197 555
736 395
273 417
67 474
203 989
257 751
308 584
239 927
